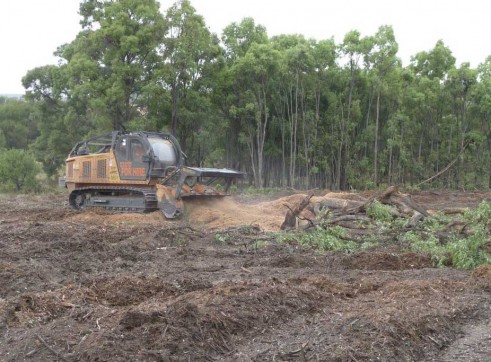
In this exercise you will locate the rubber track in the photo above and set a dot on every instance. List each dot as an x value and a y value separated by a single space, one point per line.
149 195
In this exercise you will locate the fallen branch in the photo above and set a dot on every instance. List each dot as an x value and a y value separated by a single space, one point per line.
347 218
446 168
342 220
347 213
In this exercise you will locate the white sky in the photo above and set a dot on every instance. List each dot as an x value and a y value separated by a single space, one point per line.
31 30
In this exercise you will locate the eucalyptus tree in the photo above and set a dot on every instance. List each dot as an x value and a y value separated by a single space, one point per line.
381 60
391 134
352 93
299 64
324 80
230 95
233 97
257 72
433 127
295 108
239 37
17 128
187 49
460 84
59 122
482 112
113 58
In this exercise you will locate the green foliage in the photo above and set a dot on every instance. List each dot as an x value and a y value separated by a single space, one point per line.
480 216
428 243
290 111
463 252
330 239
466 253
18 171
447 248
112 61
380 212
3 141
188 51
238 38
17 129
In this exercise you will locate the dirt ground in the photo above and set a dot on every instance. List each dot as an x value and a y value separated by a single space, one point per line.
215 286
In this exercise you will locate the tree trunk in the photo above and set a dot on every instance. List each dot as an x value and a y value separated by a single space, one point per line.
250 145
375 148
174 110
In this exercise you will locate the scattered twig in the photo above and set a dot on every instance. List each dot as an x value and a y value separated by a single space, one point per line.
31 353
301 350
57 354
87 315
165 331
434 341
245 269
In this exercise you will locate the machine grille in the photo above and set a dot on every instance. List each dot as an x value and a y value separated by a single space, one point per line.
86 168
101 169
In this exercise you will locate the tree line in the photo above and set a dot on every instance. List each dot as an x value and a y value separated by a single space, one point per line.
291 111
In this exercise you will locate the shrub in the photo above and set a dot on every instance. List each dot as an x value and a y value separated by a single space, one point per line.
18 170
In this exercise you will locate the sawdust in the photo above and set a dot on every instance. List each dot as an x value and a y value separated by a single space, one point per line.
216 213
227 212
268 215
109 217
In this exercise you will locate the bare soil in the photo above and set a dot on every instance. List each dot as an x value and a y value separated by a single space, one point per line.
99 286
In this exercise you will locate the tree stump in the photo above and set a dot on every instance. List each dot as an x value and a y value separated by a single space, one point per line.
291 216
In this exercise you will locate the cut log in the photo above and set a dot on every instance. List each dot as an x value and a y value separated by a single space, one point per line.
333 204
347 218
387 193
332 210
453 210
404 204
413 221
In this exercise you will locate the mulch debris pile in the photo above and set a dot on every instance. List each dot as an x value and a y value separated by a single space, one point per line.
92 286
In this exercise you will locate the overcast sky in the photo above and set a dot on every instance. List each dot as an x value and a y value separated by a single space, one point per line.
31 30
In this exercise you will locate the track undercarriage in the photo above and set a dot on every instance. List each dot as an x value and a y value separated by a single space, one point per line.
114 198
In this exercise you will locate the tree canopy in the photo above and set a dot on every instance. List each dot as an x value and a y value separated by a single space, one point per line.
288 110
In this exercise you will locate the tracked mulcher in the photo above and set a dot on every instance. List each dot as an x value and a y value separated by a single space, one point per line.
139 172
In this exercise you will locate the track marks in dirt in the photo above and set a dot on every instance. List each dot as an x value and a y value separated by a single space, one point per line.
118 287
378 260
357 318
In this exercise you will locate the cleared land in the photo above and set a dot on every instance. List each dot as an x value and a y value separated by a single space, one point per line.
98 286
